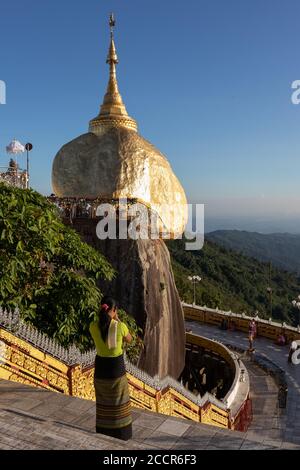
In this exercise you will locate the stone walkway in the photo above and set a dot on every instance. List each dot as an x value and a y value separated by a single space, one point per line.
32 418
277 426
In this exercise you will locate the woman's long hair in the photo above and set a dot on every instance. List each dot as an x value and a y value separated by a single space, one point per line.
107 304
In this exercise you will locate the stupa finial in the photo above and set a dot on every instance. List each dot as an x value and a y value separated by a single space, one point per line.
112 24
113 111
112 58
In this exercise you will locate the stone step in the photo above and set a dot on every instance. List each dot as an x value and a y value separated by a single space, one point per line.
32 418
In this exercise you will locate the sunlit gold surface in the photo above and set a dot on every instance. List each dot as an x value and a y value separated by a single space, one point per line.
114 161
112 112
24 363
119 164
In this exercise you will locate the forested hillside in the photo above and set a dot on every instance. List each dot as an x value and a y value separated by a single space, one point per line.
232 281
282 249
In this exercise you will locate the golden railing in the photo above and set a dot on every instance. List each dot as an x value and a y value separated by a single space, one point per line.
22 362
265 328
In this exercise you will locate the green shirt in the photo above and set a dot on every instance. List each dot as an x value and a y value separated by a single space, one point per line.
101 346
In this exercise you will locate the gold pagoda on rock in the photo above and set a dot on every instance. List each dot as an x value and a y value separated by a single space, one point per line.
113 111
114 161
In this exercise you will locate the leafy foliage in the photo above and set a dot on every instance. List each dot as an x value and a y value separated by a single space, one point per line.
47 272
232 281
134 348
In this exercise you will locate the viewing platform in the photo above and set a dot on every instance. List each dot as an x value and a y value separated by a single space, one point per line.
31 358
280 424
34 419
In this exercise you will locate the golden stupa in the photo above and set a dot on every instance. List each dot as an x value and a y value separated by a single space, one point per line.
114 161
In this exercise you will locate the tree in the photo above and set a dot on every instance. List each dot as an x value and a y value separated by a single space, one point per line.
47 272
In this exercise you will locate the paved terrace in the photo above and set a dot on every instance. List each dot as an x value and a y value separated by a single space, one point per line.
32 418
280 426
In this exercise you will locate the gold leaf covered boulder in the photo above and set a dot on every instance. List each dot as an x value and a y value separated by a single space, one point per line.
114 161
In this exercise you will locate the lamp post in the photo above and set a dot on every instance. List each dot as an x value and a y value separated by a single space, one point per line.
194 280
28 148
269 289
296 304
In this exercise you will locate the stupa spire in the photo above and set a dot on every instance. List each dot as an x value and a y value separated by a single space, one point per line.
113 111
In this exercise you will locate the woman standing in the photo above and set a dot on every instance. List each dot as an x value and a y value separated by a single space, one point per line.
113 415
252 334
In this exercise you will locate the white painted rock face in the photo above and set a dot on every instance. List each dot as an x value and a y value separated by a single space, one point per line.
118 164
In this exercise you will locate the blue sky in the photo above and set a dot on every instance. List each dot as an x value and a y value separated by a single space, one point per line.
209 82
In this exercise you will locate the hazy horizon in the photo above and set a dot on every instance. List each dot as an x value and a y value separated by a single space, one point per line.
263 226
211 89
263 215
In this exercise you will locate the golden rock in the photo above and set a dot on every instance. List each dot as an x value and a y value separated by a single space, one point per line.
114 161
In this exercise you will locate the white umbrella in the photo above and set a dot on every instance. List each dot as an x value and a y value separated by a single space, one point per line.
15 147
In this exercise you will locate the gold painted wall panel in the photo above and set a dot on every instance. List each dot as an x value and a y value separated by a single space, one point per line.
25 364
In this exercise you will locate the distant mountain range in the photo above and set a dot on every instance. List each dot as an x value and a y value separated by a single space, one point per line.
281 249
233 281
284 223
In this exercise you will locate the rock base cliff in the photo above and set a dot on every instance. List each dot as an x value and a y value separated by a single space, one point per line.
145 288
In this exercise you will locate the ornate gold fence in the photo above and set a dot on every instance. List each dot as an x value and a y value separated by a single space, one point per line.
24 362
240 322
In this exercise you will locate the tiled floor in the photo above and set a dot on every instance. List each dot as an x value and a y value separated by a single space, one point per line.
31 418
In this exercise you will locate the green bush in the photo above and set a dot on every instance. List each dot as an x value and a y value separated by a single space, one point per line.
48 273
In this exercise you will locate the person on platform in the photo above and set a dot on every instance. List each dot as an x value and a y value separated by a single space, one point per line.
252 334
294 346
224 324
113 408
281 339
